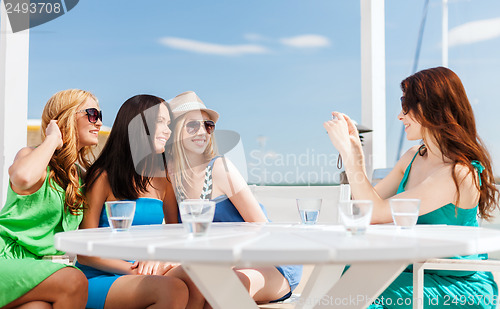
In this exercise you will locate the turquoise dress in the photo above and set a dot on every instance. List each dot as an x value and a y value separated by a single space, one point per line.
443 288
28 224
225 211
147 211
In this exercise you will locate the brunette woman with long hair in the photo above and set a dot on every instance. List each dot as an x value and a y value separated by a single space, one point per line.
132 166
45 197
450 173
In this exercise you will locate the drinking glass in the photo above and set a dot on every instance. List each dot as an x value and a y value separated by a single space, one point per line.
309 209
120 214
356 215
405 212
197 215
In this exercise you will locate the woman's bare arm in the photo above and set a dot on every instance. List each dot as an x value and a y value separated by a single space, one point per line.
29 169
229 181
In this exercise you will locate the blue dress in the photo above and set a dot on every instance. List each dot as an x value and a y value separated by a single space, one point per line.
443 288
225 211
147 211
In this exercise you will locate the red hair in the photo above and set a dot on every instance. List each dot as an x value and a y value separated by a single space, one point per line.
437 100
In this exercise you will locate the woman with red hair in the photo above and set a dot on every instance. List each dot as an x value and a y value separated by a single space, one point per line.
450 172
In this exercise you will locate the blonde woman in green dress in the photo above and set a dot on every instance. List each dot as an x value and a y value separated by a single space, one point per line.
44 197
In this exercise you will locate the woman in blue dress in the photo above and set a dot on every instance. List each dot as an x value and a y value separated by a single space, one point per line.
131 166
197 172
450 173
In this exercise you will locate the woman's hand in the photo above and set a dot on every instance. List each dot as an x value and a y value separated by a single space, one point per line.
54 132
152 267
342 132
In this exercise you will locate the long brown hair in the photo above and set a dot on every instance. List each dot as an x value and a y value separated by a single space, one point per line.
62 107
437 100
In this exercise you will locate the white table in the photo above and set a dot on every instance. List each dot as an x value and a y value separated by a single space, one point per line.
376 258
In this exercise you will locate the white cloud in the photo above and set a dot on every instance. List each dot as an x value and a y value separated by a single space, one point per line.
254 37
211 48
475 31
306 41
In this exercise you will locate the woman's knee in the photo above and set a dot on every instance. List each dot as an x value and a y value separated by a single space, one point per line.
244 278
178 285
73 282
173 291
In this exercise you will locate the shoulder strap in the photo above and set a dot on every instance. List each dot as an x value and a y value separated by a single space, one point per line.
206 192
402 185
480 168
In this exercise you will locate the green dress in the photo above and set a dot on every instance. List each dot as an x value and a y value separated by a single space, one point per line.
443 288
28 224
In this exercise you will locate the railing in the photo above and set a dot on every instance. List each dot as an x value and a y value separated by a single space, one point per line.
280 204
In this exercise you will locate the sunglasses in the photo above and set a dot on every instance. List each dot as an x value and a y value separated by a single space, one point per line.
193 126
92 114
404 107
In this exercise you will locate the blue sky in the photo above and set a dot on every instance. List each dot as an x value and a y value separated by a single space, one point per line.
270 68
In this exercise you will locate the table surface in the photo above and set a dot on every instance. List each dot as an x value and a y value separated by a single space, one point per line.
383 252
271 244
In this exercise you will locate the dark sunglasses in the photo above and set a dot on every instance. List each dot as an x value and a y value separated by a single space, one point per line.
404 107
193 126
92 114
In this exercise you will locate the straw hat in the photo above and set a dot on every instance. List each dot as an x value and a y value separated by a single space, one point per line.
189 101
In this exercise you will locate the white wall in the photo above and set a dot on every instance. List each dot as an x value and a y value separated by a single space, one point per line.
373 90
14 58
281 206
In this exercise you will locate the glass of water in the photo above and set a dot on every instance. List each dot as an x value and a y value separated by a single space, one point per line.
309 209
405 212
197 215
120 214
356 215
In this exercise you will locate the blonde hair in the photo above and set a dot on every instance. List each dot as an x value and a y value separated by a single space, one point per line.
62 107
180 163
